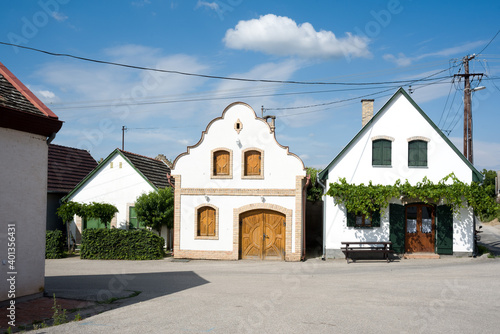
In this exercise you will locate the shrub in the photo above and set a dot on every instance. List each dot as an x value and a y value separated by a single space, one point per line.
54 244
117 244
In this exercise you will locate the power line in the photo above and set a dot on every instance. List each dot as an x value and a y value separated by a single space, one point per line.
204 75
491 40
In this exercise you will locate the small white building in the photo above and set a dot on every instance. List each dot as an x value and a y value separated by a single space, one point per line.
399 142
239 193
119 180
26 128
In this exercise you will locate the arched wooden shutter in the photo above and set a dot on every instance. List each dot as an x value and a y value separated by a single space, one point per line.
206 221
221 163
252 163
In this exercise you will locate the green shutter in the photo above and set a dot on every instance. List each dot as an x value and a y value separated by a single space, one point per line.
444 230
376 152
397 227
132 217
351 219
94 223
417 153
386 152
376 218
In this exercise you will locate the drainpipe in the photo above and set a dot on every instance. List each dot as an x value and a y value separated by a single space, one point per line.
323 185
304 202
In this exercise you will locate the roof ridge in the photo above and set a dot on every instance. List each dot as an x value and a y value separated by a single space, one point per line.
140 155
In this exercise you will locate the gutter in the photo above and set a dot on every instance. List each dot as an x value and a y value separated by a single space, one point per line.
323 185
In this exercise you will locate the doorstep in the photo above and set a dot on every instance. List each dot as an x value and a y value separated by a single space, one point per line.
421 256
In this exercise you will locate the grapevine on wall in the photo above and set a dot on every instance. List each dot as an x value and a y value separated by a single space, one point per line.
364 199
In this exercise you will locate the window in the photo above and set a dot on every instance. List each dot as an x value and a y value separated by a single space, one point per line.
417 153
252 163
93 223
381 152
134 223
222 163
207 222
362 220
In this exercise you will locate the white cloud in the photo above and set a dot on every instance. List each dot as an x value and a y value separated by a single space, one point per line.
402 60
279 35
141 3
209 5
47 94
59 16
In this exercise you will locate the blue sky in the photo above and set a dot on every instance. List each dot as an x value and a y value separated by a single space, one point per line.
314 41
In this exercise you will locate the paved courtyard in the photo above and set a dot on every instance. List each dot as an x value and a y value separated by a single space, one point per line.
454 295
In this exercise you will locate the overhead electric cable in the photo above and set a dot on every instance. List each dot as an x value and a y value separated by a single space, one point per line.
491 40
206 75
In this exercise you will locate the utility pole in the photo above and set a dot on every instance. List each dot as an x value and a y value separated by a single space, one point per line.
124 128
467 107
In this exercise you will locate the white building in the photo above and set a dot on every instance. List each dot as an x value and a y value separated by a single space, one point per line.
399 142
119 180
239 193
26 128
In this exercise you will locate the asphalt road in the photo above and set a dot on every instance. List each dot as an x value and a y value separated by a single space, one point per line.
452 295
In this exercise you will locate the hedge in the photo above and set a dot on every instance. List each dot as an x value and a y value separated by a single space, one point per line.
54 244
118 244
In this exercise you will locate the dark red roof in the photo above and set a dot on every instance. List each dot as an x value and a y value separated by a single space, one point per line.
21 110
67 167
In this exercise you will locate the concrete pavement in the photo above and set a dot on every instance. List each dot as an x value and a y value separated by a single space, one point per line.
459 295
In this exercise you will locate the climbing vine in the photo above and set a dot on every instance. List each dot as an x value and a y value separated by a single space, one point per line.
363 199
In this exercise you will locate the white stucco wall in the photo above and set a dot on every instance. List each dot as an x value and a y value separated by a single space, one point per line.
118 186
401 121
280 168
280 171
225 204
23 202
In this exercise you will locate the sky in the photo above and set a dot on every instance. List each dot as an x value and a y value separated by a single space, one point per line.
336 52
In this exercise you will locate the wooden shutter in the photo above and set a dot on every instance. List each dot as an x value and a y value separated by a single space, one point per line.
210 222
386 152
132 217
206 221
376 218
417 153
376 152
351 219
397 227
444 230
221 163
252 163
381 152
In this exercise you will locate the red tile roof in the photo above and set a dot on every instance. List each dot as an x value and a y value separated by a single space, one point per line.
67 167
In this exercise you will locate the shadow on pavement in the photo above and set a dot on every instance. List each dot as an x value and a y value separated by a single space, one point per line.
107 289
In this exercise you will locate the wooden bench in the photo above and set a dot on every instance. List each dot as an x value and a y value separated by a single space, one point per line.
366 247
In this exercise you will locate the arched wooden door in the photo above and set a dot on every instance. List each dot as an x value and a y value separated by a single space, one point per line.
420 228
262 235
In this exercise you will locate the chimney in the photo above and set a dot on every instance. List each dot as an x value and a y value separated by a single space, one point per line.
272 123
366 111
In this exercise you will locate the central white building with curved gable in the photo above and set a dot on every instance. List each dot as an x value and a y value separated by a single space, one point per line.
239 194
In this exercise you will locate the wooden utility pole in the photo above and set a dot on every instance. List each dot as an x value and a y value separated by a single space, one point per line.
467 107
123 137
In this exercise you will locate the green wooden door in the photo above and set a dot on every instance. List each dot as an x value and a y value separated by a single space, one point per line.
444 230
94 223
397 227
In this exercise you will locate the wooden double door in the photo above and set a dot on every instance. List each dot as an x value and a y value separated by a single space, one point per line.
420 228
262 235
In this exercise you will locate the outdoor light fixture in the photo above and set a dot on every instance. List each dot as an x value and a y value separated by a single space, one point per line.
207 198
478 88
